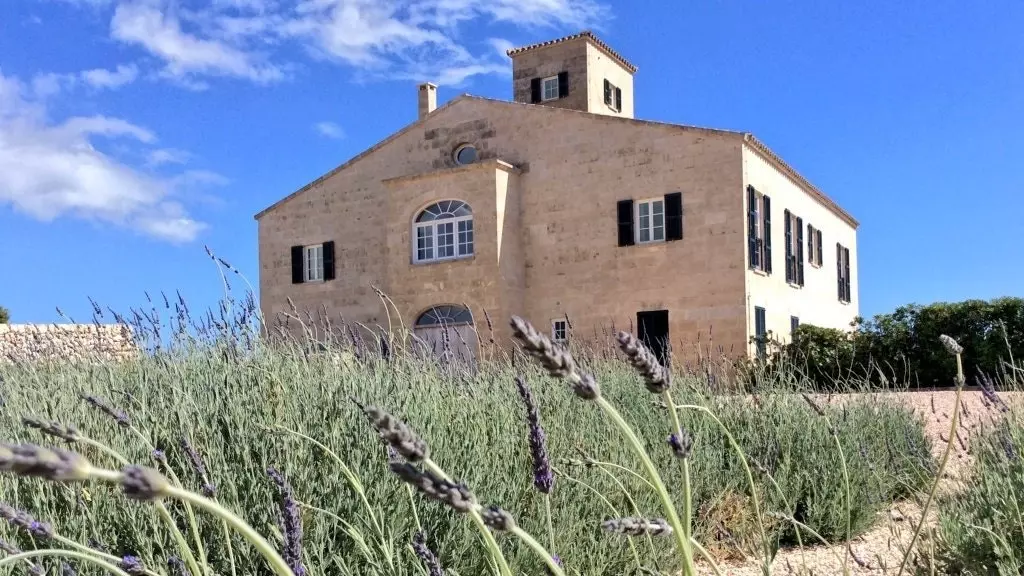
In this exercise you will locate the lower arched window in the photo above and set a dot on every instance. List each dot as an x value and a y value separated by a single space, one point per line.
443 231
445 315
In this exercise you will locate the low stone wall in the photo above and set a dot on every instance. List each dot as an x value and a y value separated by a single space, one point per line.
67 342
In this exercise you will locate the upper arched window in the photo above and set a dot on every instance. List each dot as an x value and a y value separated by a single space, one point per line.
443 231
445 315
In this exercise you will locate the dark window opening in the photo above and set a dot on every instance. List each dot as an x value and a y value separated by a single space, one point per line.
652 329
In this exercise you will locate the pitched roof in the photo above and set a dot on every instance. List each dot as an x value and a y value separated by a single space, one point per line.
584 34
747 137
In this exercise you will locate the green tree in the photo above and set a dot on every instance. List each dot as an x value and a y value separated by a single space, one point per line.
5 316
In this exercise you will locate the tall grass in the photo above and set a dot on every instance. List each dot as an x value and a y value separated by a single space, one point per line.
247 406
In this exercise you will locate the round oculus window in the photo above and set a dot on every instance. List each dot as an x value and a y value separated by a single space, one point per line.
465 154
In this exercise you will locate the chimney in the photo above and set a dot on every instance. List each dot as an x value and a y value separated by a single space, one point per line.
427 98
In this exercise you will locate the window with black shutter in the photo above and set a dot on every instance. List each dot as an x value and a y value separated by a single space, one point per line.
760 331
625 223
535 94
752 243
607 92
618 99
800 251
843 272
329 260
674 216
298 267
846 273
818 246
794 323
767 206
790 273
563 84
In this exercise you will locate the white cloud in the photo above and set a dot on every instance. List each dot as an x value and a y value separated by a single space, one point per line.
162 156
53 170
249 39
185 54
329 129
101 78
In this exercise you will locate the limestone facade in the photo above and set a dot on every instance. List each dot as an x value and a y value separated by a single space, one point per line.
548 186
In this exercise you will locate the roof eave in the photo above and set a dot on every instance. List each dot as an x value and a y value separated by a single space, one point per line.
781 164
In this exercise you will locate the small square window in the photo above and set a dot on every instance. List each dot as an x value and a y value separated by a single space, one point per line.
549 88
313 263
559 330
650 221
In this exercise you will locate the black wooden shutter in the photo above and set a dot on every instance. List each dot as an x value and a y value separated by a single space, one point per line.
790 272
563 84
607 92
329 260
846 274
752 226
535 90
674 216
818 247
767 234
618 99
839 270
298 277
800 251
625 218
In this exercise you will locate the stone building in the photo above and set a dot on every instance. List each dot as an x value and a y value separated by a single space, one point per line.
557 205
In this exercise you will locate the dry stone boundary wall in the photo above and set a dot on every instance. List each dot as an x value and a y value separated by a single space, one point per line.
66 342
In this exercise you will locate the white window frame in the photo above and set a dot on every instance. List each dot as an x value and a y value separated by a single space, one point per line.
544 88
652 228
313 263
432 225
560 325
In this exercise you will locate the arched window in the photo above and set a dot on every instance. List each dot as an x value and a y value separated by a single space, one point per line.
445 315
443 231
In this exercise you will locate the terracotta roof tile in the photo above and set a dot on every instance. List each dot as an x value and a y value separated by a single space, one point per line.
584 34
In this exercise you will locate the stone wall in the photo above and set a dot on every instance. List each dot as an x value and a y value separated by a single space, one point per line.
70 342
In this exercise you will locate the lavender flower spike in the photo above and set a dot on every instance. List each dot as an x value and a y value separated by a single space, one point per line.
119 415
177 567
25 521
426 555
291 523
543 478
132 565
209 489
34 569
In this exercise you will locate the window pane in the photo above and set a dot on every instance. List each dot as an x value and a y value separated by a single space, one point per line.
659 206
550 88
659 233
645 234
645 209
465 237
424 242
445 240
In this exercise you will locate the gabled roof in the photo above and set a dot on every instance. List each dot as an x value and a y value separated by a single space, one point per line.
747 138
584 34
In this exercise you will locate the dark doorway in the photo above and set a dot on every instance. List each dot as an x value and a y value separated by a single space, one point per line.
652 329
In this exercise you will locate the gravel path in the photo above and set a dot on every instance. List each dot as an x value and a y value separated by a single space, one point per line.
880 550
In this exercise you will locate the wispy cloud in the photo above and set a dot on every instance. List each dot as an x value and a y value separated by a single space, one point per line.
162 156
184 54
329 129
53 170
255 39
101 78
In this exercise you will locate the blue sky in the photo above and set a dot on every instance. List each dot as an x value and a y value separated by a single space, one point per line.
134 132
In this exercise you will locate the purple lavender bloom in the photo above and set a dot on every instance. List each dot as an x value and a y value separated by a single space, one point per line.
209 488
558 561
177 566
132 565
681 445
543 478
67 570
25 521
291 523
159 455
119 415
426 555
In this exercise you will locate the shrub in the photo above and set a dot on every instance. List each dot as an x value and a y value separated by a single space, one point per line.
238 408
981 528
903 346
5 316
